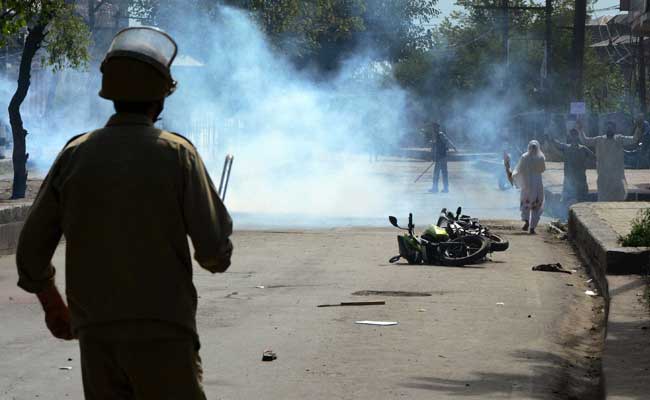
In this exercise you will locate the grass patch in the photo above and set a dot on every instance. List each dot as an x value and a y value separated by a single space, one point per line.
640 234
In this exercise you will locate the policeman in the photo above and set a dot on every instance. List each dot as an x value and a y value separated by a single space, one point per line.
126 197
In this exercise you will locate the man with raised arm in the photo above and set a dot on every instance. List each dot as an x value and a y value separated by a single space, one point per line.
610 161
576 160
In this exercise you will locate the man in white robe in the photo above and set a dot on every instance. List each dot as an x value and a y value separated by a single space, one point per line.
612 185
527 176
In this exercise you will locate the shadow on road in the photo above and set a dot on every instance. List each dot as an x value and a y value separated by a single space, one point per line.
552 377
627 360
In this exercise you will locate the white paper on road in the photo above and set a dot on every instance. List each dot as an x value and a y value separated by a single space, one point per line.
378 323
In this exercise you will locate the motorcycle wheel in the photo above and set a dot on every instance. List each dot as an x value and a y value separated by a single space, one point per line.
464 250
411 255
497 243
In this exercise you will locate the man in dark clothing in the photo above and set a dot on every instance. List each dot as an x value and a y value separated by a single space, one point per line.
440 145
126 197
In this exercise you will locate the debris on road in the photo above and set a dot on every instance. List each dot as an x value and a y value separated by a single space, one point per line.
66 368
591 293
395 293
557 267
259 287
422 310
269 355
501 304
376 323
559 229
355 303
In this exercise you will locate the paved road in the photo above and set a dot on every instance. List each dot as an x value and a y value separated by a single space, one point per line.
457 341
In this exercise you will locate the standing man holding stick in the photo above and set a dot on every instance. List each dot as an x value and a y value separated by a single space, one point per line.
126 197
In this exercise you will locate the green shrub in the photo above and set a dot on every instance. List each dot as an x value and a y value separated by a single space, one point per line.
640 234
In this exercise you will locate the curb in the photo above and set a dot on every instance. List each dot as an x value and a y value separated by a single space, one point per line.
596 243
12 217
582 222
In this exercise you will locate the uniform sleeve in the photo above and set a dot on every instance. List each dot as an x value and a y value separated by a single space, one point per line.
39 238
207 221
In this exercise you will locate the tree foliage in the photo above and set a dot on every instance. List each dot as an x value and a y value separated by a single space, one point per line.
321 32
47 24
401 27
467 56
66 35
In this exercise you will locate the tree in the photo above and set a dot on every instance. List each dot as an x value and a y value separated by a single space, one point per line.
399 27
466 58
307 31
50 25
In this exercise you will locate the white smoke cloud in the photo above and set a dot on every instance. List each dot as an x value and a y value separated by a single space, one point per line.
301 143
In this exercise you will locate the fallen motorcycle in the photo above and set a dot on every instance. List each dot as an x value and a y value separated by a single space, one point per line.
460 225
436 247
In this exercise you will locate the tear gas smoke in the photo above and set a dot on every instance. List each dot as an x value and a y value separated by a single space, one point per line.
302 143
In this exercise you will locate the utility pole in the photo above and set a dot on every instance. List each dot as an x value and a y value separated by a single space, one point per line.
548 39
3 63
579 22
642 77
506 32
505 9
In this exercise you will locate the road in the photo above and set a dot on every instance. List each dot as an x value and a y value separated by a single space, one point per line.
494 331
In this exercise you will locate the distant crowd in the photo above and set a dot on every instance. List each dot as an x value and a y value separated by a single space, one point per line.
608 153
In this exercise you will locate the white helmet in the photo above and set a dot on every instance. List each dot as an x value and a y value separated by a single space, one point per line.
137 65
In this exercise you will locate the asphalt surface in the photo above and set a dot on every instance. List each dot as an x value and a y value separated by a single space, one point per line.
493 331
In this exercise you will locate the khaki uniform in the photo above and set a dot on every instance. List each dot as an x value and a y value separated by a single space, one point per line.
126 197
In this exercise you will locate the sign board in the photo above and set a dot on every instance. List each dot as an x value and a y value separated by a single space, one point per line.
578 108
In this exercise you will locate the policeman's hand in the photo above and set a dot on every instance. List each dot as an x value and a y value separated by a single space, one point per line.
57 314
222 261
58 322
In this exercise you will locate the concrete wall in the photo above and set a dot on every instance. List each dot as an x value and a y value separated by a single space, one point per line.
12 216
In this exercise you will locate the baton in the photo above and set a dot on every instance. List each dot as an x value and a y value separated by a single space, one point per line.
425 171
225 176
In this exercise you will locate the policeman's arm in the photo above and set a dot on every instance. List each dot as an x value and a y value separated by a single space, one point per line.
206 219
39 238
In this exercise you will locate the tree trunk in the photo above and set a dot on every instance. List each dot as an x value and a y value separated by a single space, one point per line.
32 44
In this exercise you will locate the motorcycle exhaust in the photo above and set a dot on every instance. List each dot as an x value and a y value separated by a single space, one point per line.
225 177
